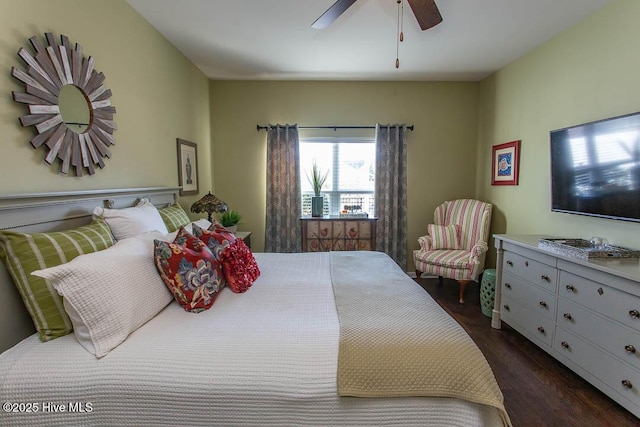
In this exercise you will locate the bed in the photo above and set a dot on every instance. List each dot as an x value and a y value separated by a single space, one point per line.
318 339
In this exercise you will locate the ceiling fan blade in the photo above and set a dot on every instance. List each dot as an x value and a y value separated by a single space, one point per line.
332 13
426 12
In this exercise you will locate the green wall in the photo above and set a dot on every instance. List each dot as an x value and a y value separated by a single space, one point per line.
441 149
587 73
159 95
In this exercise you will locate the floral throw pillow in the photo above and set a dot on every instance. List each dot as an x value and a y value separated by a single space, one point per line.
216 238
193 277
239 266
188 240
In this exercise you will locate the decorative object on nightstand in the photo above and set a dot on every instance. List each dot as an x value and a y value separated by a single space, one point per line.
317 181
209 204
230 220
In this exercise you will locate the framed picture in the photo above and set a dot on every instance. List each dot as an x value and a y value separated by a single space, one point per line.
505 163
187 167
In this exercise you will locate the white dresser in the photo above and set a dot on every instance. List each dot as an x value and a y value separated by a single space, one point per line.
585 313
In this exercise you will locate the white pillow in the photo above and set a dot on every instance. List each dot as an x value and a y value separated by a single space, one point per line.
130 222
110 293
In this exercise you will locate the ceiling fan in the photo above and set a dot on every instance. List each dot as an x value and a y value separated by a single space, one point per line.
425 11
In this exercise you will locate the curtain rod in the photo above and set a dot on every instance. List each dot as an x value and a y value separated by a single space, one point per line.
259 128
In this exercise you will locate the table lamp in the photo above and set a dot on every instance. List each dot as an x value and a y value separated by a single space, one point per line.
209 204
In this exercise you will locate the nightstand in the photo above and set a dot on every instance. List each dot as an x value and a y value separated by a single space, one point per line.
246 236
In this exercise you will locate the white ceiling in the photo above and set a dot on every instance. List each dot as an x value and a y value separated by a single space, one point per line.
273 39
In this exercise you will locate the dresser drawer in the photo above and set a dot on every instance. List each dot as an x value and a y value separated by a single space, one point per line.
535 298
527 322
623 379
614 338
338 234
531 270
609 302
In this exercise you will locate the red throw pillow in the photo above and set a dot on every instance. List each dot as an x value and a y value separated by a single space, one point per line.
193 277
239 266
216 237
188 240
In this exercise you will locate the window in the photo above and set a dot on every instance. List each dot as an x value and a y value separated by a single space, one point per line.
350 185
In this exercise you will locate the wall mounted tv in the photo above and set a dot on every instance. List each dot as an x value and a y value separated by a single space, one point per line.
595 168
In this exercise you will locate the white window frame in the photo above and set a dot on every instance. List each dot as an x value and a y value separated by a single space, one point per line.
332 206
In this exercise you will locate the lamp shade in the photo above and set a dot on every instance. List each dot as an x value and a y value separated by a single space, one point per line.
209 204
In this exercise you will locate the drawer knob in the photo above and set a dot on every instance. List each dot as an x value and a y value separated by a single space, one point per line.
565 345
600 291
545 278
543 304
627 384
571 288
526 263
567 316
506 307
510 263
630 349
507 285
541 329
634 314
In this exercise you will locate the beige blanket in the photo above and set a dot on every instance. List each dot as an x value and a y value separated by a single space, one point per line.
395 340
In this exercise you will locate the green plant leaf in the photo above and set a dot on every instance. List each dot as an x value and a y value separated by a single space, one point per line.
317 179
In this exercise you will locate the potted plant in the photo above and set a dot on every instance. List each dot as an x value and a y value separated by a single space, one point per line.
317 180
230 220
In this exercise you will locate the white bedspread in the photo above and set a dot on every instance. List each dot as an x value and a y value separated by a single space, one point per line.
267 357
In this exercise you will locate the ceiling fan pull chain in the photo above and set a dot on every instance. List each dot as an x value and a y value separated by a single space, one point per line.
402 23
399 35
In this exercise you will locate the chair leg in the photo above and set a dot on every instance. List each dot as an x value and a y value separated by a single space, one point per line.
418 274
463 285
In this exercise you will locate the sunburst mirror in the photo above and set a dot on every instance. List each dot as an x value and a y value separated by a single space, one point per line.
68 105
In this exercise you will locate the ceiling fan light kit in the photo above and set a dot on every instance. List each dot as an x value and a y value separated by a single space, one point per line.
425 11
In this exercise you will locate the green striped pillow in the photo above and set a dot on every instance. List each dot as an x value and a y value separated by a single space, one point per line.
444 236
174 217
24 253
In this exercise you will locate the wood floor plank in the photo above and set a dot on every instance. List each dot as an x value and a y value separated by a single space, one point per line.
538 390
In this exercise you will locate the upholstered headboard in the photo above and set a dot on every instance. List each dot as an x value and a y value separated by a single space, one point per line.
53 212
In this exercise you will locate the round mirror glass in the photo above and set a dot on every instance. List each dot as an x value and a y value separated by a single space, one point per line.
74 108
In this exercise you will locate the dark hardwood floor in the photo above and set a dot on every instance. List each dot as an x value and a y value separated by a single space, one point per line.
537 389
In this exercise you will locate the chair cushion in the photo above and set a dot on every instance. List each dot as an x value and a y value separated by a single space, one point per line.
444 236
459 259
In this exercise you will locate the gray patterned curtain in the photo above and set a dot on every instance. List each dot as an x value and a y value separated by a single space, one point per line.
391 191
282 232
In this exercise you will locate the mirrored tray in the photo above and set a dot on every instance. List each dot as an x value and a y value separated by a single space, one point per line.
584 249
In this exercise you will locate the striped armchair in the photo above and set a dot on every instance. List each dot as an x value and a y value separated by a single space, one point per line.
456 245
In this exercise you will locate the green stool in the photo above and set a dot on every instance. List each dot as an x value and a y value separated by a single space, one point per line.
488 291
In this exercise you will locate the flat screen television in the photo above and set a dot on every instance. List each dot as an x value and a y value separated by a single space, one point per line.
595 168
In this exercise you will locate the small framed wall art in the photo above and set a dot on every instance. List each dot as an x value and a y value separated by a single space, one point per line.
505 163
187 167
